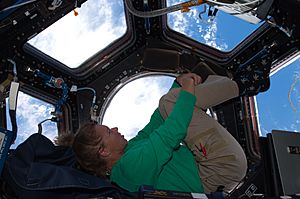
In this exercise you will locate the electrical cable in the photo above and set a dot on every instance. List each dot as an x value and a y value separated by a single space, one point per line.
14 68
17 5
249 3
93 91
40 128
94 107
162 11
184 6
249 10
238 6
289 95
230 4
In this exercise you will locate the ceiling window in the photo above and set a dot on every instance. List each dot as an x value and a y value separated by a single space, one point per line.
30 112
279 107
224 32
73 39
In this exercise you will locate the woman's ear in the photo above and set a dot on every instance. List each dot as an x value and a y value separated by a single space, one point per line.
104 152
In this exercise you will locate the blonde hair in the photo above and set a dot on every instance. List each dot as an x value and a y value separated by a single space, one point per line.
86 144
64 139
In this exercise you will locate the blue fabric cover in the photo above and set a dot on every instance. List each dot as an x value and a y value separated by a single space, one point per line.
39 169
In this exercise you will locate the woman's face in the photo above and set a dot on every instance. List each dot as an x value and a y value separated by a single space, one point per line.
111 138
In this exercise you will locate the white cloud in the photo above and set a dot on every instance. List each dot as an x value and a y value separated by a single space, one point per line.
179 22
211 38
210 35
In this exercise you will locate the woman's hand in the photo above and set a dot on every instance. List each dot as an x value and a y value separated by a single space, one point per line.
188 81
197 79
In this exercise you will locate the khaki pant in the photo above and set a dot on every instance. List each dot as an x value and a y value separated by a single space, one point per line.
220 158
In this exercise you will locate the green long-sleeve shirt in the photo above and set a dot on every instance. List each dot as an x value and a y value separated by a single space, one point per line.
155 156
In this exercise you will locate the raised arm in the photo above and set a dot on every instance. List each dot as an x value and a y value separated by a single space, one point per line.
156 119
